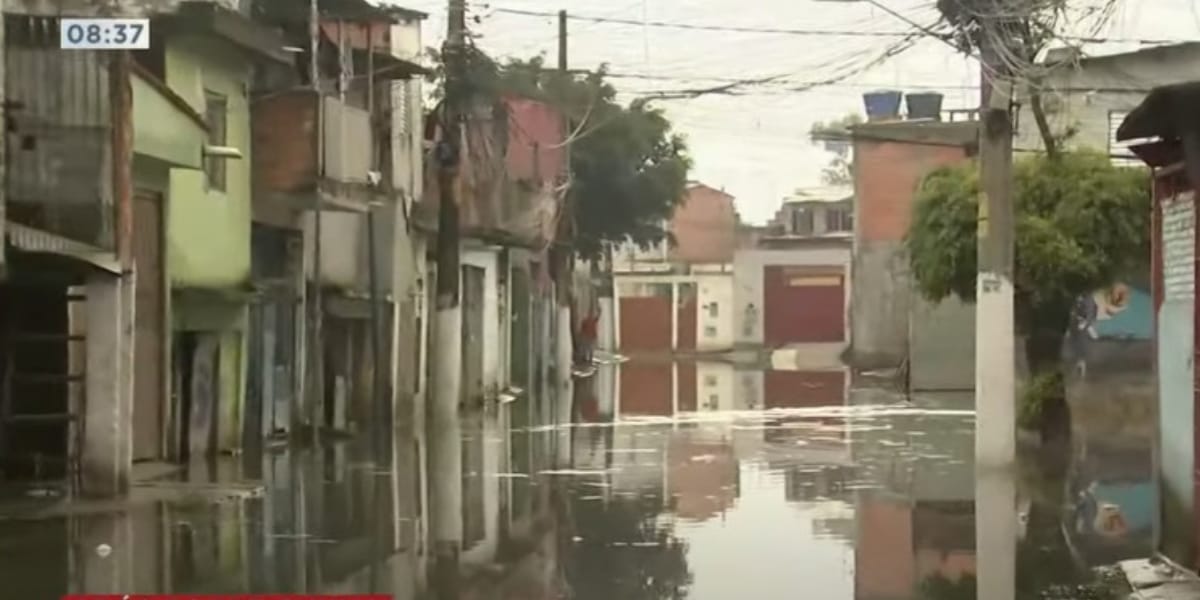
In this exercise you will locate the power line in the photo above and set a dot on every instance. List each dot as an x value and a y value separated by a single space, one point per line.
805 32
729 28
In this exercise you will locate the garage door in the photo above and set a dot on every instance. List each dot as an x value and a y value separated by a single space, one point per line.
646 324
804 305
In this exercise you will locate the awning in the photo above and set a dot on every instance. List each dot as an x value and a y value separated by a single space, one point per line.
232 26
1165 113
1170 115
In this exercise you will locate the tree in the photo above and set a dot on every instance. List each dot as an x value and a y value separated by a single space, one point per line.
836 136
630 169
1082 224
1019 31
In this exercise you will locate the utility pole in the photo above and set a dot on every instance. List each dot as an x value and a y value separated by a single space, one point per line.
445 445
563 248
563 255
995 376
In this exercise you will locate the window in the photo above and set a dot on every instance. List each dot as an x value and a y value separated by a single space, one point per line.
714 310
838 220
710 380
802 222
215 111
710 331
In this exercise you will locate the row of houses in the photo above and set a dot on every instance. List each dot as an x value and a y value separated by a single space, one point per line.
226 239
717 285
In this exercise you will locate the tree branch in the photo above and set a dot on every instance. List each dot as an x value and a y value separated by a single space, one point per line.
1043 124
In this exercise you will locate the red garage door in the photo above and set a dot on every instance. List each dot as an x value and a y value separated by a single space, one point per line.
804 304
646 389
646 324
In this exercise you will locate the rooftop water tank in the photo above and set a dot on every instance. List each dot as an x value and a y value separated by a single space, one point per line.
927 105
883 105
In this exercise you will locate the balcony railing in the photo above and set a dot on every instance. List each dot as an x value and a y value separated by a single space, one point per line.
58 140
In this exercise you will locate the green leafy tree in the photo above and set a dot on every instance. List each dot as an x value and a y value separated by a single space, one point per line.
1081 224
630 169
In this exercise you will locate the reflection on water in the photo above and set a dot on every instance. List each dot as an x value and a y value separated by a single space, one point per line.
697 481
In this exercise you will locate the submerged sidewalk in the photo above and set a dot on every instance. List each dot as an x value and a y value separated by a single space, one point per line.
1153 579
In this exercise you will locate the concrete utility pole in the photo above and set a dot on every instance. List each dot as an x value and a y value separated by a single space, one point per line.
564 273
995 376
995 372
563 247
445 445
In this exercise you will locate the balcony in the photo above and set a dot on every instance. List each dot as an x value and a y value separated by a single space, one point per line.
57 145
286 150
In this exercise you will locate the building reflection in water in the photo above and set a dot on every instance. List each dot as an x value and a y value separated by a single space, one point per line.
700 481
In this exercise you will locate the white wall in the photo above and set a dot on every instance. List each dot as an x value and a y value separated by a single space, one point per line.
748 283
716 387
343 251
714 322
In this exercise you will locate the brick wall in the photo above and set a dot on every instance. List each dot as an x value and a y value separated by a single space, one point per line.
705 227
284 142
886 178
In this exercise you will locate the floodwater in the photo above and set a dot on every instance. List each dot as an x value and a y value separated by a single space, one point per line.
656 481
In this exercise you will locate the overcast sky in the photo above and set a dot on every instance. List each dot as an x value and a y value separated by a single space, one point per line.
755 145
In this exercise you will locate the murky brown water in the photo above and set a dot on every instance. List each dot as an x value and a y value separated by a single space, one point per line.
743 484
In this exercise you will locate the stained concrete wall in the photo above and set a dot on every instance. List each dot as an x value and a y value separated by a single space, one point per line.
880 303
941 345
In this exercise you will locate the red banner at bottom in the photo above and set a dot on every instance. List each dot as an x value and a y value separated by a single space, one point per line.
226 597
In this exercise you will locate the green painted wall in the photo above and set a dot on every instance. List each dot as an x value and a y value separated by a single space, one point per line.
209 230
161 130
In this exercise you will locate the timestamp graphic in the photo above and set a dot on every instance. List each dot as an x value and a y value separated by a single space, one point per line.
105 34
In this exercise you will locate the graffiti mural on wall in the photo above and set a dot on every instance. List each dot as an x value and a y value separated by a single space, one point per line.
1119 314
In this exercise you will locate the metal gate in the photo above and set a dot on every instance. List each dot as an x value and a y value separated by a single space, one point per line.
472 333
804 304
149 386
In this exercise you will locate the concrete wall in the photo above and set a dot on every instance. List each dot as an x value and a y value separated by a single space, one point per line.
209 230
941 345
1082 97
748 282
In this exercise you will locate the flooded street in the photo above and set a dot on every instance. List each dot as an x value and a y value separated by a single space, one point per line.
749 484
